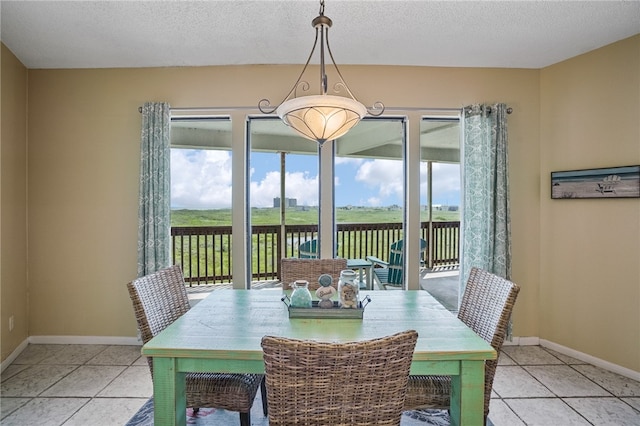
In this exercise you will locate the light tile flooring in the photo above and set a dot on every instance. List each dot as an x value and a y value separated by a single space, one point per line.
74 385
105 385
537 386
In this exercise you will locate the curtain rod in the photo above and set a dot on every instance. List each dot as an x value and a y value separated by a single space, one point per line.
509 109
200 109
241 108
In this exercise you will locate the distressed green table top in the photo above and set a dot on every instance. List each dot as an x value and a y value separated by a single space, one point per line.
222 333
234 321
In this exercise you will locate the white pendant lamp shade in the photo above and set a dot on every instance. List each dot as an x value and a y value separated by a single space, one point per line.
321 117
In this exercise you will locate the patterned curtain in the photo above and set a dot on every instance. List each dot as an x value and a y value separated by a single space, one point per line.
154 212
486 227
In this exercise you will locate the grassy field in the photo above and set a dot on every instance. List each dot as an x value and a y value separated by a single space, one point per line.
301 216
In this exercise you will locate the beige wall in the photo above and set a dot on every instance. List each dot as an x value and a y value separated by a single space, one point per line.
13 202
84 131
590 249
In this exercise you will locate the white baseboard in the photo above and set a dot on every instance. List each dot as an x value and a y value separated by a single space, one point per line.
623 371
85 340
516 341
69 340
609 366
522 341
21 347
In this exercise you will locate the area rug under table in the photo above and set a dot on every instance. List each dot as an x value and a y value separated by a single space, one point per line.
214 417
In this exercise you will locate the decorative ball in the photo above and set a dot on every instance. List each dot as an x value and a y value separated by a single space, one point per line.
325 280
325 304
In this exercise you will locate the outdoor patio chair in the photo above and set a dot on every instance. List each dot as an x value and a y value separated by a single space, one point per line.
292 269
319 383
486 307
390 273
158 300
309 249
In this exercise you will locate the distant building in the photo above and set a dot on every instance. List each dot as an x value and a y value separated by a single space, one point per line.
288 202
441 207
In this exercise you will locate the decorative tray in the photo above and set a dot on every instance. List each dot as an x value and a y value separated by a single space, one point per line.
335 312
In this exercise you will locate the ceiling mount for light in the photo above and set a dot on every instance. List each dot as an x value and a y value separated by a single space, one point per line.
321 117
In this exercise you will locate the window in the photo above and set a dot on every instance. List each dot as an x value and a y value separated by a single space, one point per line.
369 188
440 206
201 210
283 194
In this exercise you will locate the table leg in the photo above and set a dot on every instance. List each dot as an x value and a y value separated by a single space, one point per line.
169 396
467 395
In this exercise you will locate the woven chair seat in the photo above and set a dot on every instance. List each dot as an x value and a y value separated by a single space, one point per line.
428 392
233 392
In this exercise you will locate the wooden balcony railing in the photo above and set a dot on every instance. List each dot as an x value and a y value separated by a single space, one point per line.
204 252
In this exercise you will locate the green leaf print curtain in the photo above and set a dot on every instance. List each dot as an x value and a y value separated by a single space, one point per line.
486 223
154 213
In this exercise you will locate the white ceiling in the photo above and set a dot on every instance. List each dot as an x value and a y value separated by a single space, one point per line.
511 34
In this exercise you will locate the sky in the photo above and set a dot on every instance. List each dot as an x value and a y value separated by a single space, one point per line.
201 179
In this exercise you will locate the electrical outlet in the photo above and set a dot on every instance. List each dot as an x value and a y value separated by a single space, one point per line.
11 323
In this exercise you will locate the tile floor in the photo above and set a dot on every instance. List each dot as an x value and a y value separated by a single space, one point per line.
537 386
105 385
74 385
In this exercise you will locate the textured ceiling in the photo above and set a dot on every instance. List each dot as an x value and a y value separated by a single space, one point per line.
107 34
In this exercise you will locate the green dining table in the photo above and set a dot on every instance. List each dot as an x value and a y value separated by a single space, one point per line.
222 333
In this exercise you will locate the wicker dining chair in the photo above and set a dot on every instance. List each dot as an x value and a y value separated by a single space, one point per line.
486 307
158 300
316 383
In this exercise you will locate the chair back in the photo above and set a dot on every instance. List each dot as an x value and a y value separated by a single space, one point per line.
292 269
158 300
317 383
396 263
486 308
308 249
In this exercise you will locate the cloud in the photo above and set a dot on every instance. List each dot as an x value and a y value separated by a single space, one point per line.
348 161
299 185
385 177
384 181
446 183
373 202
200 179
